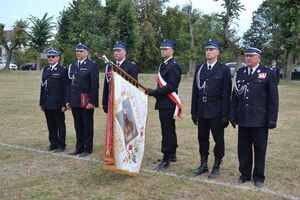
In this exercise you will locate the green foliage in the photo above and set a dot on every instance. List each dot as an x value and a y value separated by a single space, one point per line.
143 24
280 20
13 41
40 32
84 21
150 17
124 27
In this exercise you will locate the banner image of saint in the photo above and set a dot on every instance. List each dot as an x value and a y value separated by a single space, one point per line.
127 122
125 129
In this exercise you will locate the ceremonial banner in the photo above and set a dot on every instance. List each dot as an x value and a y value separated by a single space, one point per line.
125 129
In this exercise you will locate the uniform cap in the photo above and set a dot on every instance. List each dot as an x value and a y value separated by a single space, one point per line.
213 44
120 45
166 44
82 47
252 50
52 52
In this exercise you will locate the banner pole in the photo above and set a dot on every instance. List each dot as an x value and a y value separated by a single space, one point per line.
105 59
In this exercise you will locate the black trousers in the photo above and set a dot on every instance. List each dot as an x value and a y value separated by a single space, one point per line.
250 138
213 125
84 127
169 137
56 127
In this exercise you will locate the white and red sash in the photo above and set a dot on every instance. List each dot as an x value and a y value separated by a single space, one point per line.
173 96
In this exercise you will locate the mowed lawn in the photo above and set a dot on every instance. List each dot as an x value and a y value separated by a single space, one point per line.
32 175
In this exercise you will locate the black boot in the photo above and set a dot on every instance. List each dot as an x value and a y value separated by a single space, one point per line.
173 158
215 172
203 167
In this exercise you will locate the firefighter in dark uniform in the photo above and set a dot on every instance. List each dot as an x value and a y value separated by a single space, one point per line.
210 106
54 84
170 73
254 108
120 51
83 99
276 70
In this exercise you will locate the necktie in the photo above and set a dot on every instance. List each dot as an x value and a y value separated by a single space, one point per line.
209 67
250 73
118 64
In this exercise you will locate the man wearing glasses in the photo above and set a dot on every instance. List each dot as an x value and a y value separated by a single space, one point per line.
83 99
54 83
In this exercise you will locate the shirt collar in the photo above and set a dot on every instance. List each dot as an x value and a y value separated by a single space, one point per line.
81 61
212 65
120 63
166 61
253 69
53 66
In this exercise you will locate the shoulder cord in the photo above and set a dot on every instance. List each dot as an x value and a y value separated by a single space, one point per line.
69 73
41 77
200 87
241 90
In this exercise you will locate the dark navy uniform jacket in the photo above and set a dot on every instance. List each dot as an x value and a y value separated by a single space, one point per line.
129 67
257 105
171 73
54 87
276 70
217 89
86 81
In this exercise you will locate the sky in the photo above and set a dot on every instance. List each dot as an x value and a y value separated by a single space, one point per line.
12 10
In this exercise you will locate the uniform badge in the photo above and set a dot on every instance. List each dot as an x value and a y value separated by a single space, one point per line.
262 75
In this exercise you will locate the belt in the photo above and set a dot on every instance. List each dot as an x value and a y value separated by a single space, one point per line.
210 99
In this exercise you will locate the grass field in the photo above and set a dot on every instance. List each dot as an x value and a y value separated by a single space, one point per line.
32 175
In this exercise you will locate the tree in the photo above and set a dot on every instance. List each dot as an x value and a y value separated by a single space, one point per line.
39 34
287 16
192 64
85 22
263 37
124 27
232 12
15 40
174 26
280 35
63 41
150 13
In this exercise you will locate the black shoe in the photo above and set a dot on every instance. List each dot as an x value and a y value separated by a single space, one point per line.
215 172
84 154
50 148
162 165
241 180
74 153
59 150
258 184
